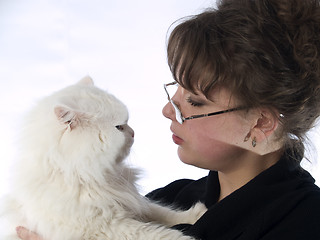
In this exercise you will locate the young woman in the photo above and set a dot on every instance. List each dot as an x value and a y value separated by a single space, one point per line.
246 91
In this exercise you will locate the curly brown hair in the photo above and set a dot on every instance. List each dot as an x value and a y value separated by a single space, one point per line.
265 51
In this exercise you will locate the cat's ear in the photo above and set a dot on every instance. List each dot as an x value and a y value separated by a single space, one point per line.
87 80
71 118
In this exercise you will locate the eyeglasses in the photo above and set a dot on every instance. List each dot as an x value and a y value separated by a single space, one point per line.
179 117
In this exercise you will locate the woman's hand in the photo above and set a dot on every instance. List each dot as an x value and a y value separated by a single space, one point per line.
25 234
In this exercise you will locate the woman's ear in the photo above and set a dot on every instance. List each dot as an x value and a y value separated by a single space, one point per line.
263 134
266 123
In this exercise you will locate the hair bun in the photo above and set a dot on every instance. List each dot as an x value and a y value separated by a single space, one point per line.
301 22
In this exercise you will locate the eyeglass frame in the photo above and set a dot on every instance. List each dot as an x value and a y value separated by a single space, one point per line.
181 119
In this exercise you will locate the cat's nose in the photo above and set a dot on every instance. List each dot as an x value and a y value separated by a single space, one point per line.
131 131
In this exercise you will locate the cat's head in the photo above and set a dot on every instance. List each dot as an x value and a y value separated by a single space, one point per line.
78 127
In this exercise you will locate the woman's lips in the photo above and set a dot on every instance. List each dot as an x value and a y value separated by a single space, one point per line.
176 139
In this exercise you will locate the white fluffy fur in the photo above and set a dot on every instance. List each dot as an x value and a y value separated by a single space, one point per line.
71 182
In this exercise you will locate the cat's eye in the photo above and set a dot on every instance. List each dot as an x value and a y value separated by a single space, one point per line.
120 127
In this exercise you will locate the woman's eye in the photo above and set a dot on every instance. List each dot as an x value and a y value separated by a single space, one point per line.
194 103
120 127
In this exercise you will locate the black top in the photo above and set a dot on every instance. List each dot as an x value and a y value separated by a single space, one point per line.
280 203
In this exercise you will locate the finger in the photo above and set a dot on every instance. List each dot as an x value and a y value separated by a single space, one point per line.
25 234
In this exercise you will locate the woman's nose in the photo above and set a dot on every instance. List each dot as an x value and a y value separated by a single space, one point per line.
168 111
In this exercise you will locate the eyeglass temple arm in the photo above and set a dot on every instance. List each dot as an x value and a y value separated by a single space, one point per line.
215 113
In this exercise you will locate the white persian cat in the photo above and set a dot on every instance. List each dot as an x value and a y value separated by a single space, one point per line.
71 181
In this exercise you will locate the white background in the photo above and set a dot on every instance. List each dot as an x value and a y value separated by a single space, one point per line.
47 45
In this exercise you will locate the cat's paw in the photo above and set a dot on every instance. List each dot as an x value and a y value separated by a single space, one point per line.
196 211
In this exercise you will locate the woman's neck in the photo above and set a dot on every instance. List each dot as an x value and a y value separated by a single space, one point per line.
251 165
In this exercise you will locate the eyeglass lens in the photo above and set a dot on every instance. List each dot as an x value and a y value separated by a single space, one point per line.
172 89
178 113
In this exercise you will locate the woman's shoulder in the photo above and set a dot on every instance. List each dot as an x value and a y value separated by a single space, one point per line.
302 221
311 202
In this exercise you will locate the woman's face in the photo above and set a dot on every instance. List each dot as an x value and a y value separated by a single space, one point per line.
214 142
